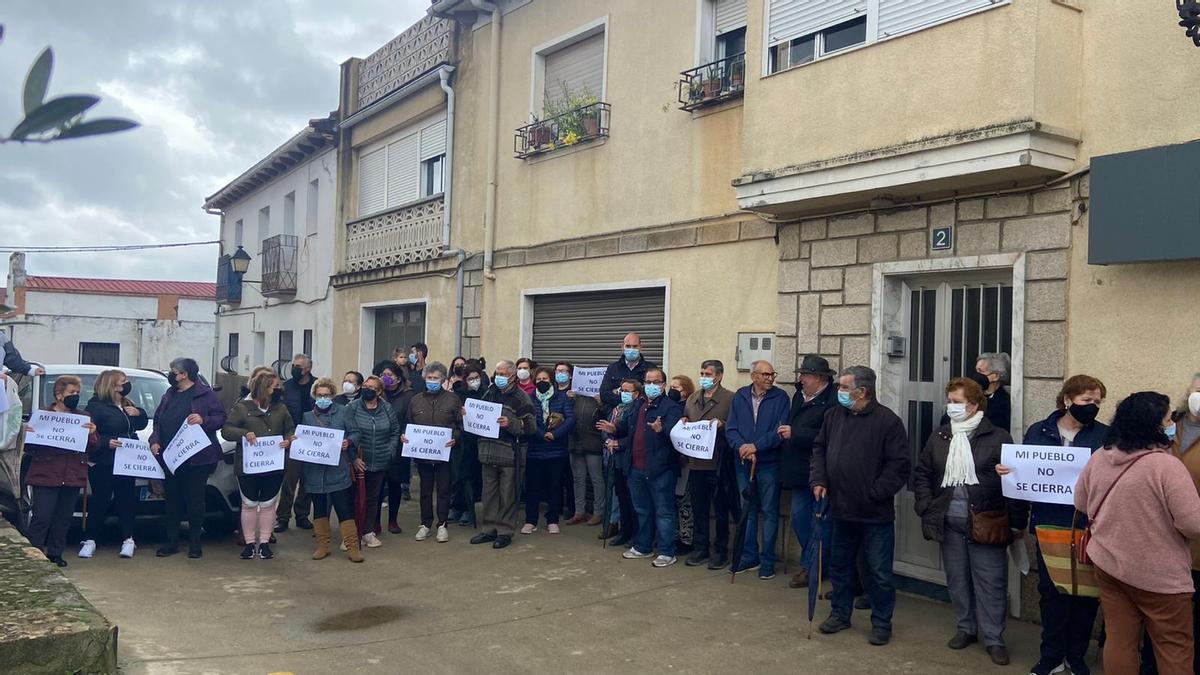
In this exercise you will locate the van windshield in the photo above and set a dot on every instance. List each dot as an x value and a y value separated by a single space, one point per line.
145 394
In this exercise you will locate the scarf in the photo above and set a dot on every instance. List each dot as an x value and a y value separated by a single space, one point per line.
544 399
960 463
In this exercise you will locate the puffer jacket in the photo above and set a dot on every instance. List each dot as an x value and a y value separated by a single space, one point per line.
245 417
321 479
539 447
112 422
55 467
376 433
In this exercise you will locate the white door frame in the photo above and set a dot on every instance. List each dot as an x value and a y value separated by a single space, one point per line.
366 327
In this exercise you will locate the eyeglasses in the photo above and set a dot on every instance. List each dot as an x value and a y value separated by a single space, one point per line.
769 376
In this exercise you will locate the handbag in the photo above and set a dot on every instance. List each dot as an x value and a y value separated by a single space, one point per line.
1081 553
990 527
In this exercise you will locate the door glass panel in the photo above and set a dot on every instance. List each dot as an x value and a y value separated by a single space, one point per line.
928 334
991 316
956 332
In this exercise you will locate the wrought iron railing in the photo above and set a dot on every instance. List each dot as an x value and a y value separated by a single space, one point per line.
229 364
564 130
279 265
405 234
712 83
229 285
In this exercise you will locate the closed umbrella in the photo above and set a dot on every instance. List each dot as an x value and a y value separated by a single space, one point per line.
820 522
360 498
749 505
606 519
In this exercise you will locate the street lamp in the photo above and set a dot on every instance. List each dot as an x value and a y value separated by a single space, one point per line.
240 261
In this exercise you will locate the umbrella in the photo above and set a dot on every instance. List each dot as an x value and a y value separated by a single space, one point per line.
608 479
820 513
360 498
750 505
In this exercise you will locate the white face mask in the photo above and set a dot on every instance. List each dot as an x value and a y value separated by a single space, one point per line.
1194 402
473 385
348 388
522 374
956 411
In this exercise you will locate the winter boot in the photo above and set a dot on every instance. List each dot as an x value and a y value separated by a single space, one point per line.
321 532
350 538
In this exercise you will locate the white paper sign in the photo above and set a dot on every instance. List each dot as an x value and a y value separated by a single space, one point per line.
264 455
426 442
4 404
58 430
483 418
189 440
587 381
1042 473
317 445
695 439
133 458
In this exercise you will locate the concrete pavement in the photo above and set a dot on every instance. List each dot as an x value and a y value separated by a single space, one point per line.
546 604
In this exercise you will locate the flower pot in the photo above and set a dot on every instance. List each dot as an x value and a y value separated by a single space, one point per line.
712 88
591 126
735 80
541 136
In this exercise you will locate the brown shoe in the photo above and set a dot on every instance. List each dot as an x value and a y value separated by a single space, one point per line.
594 521
800 580
323 536
574 520
350 538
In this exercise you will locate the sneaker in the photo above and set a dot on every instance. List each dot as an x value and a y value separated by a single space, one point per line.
342 546
1047 667
371 541
1078 667
465 519
718 562
88 548
766 575
552 528
422 533
528 528
634 554
455 514
248 552
443 535
264 552
880 637
833 625
281 525
127 548
698 558
663 561
746 567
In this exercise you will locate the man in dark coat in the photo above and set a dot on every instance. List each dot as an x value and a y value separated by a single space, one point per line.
631 366
814 394
297 396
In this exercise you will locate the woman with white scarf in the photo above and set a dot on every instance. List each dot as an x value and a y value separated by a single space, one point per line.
962 506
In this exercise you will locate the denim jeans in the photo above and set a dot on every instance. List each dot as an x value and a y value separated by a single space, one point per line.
803 524
767 478
878 541
654 501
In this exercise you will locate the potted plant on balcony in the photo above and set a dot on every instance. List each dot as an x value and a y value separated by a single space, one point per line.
737 74
712 83
539 134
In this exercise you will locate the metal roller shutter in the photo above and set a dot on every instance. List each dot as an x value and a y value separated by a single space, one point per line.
372 182
587 328
903 16
795 18
433 140
730 15
580 67
403 170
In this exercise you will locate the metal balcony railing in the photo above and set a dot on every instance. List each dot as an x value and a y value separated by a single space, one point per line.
712 83
229 285
405 234
229 364
279 265
564 130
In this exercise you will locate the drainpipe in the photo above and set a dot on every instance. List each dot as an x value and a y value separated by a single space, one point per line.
447 194
493 147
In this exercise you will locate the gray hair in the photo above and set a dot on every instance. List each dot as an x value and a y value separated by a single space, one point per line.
864 378
434 368
997 362
306 357
506 366
715 364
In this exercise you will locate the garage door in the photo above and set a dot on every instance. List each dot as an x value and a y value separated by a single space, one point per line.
587 328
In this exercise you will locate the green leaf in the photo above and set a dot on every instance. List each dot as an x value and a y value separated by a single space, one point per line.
54 113
105 125
38 80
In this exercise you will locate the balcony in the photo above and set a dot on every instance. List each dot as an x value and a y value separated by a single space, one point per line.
580 125
712 83
405 234
279 265
229 284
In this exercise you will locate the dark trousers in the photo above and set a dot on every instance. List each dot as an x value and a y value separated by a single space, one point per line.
399 474
1066 620
878 542
466 476
293 495
544 482
709 496
340 501
52 511
629 518
185 491
108 489
260 487
434 474
374 485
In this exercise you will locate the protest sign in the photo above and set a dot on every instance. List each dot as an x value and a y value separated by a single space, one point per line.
189 440
133 458
58 430
695 439
1042 473
264 455
587 381
317 445
483 418
425 442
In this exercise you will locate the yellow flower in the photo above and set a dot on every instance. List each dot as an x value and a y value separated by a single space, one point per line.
571 138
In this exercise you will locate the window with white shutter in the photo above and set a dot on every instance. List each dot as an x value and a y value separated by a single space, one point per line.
575 70
897 17
390 172
372 181
433 140
403 170
729 15
790 19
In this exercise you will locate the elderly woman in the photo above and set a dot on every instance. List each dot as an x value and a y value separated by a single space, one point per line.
398 389
994 367
962 506
116 418
587 449
1142 510
374 429
555 417
330 486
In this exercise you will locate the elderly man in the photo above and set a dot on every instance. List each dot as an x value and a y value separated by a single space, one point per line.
861 460
631 366
435 406
710 480
994 367
756 416
297 396
502 458
814 394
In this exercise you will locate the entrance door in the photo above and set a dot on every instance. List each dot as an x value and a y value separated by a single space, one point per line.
397 327
950 321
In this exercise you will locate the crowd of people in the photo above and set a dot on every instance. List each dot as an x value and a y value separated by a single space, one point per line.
608 461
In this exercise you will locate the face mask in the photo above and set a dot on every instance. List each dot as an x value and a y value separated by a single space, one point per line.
674 395
369 394
297 372
522 374
543 387
348 388
632 354
432 385
653 391
276 396
172 380
324 403
956 411
473 385
71 401
627 397
707 383
412 358
1084 414
388 381
1170 432
561 378
458 370
1194 402
845 400
126 388
501 381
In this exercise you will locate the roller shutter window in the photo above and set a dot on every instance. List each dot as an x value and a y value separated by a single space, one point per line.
433 140
403 170
897 17
730 15
372 182
579 68
796 18
587 328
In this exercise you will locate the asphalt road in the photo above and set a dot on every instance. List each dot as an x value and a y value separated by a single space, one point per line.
547 604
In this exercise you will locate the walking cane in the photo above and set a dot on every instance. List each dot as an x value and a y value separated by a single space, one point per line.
83 524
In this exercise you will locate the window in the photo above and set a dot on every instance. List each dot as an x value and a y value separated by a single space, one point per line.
731 43
237 232
397 327
308 340
801 50
573 73
233 345
260 347
431 176
289 213
729 27
100 353
264 225
310 209
285 345
390 172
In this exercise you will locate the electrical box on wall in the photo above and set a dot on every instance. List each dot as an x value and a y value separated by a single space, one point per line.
754 346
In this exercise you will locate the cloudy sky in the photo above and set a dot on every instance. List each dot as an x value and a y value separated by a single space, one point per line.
216 85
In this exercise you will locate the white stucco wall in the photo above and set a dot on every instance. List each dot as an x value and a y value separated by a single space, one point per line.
99 306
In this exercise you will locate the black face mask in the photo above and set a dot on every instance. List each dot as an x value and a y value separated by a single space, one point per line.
126 388
297 372
276 396
1084 414
174 382
72 401
458 370
673 394
543 387
369 394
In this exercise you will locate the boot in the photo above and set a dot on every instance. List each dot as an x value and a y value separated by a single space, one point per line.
350 538
321 532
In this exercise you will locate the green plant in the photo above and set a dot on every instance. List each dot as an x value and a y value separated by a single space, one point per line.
572 111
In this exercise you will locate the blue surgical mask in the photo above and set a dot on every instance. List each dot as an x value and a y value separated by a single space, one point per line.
412 358
501 381
632 354
627 397
707 383
653 391
433 385
1170 432
324 403
845 400
561 378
